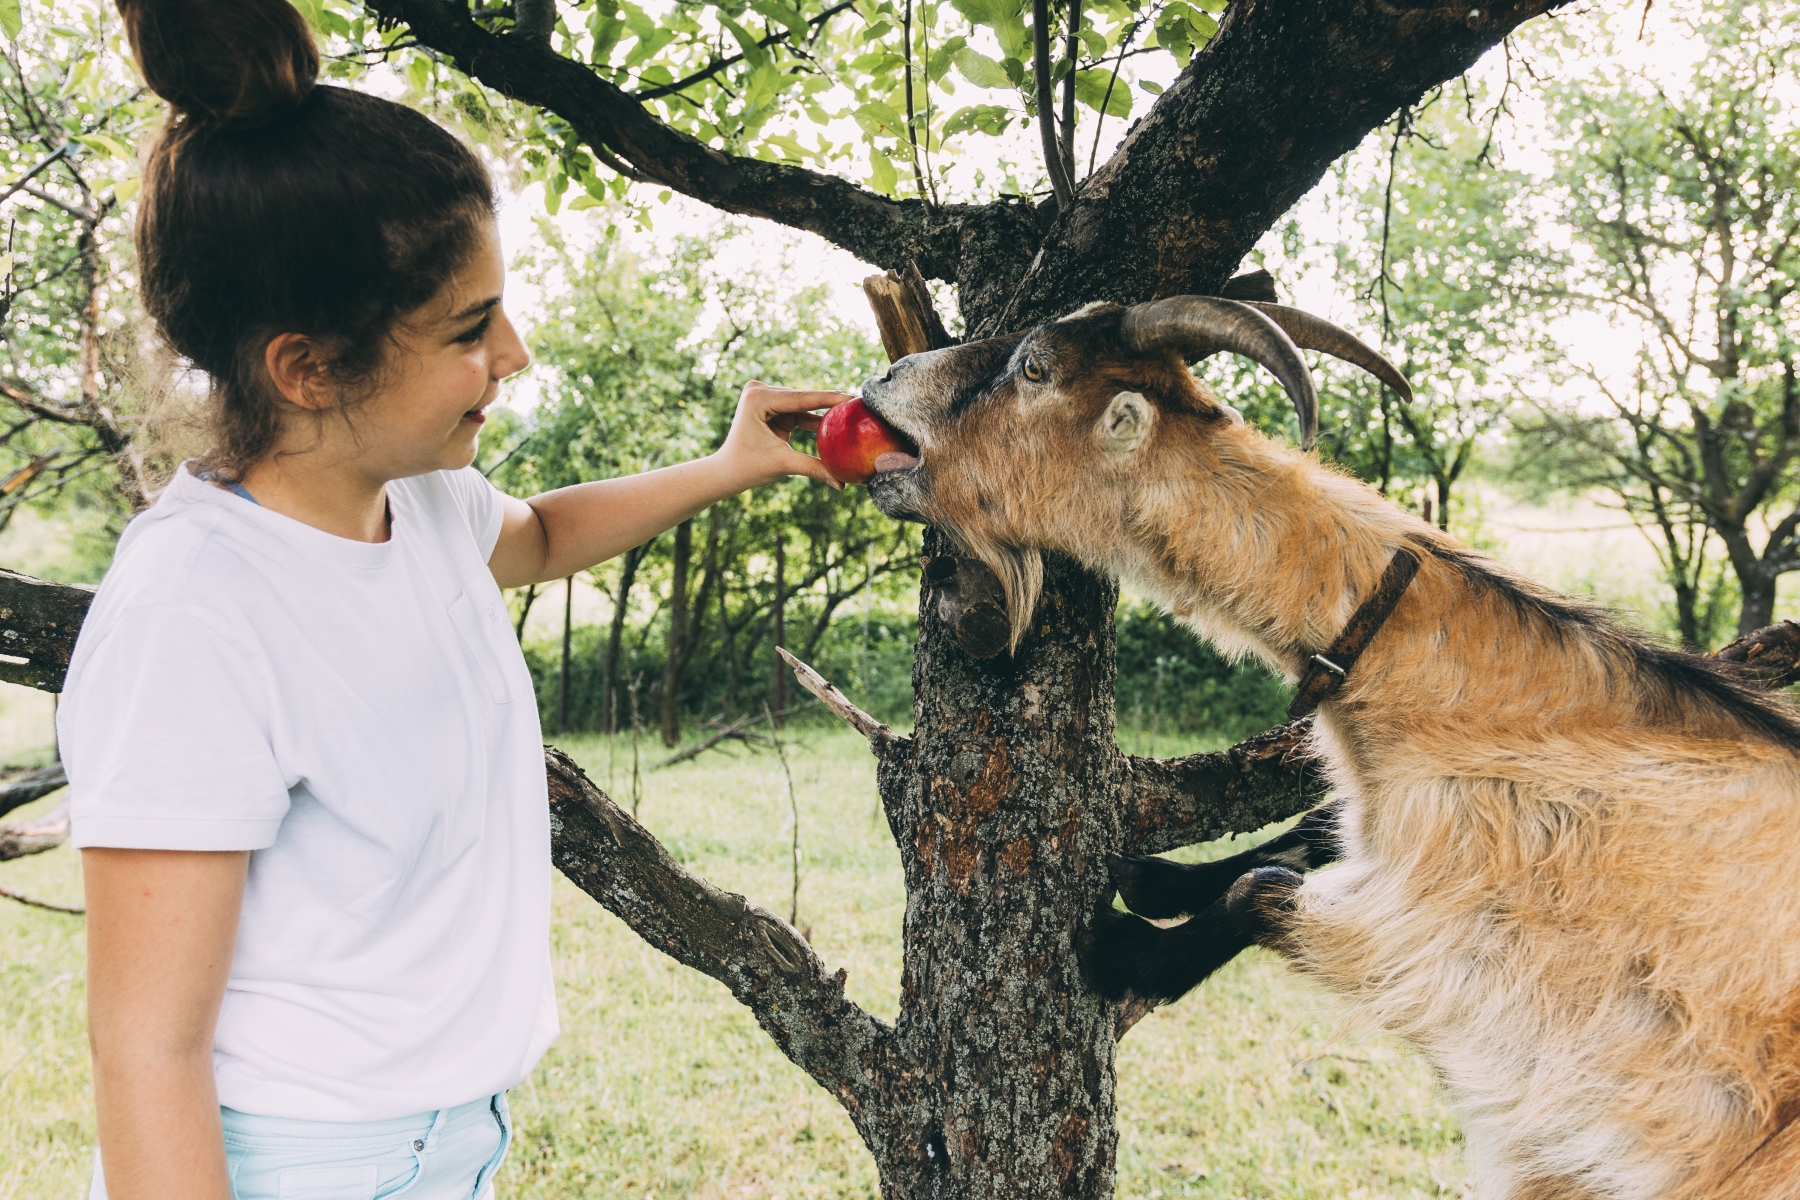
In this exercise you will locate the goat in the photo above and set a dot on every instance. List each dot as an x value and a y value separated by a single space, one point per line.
1562 848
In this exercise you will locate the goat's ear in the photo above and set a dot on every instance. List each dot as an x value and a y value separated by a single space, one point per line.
1126 422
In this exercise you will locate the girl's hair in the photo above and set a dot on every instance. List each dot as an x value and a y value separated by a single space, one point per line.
272 204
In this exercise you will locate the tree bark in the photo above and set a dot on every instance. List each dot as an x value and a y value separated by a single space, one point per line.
678 633
1004 807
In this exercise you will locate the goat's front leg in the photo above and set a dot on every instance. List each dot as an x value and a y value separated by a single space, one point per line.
1160 889
1127 954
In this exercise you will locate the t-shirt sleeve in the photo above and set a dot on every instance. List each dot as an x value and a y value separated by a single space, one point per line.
479 502
165 733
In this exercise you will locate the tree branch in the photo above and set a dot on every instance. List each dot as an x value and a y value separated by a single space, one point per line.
1241 136
1174 802
730 60
33 785
879 735
764 961
1046 104
1770 656
886 232
46 833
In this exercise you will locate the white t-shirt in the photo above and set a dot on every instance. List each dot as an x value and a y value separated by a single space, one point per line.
360 717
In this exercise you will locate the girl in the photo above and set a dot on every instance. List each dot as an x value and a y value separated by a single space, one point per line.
303 745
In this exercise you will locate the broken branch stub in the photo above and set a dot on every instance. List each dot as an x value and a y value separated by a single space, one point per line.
879 735
904 313
1770 656
972 602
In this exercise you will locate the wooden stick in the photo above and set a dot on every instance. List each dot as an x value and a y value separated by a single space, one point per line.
879 735
9 894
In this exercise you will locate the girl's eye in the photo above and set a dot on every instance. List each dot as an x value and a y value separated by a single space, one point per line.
1033 372
475 335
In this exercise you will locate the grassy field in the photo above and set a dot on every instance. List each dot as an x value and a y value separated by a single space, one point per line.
662 1086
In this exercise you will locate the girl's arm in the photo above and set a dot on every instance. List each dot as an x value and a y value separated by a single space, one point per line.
568 530
161 925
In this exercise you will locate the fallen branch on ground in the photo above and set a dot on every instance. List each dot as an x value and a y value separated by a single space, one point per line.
46 833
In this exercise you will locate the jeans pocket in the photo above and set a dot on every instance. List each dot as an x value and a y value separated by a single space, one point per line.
330 1183
502 1115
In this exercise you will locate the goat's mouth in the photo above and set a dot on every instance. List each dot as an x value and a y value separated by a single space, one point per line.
903 459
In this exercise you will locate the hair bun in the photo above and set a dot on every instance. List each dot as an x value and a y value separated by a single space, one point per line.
239 63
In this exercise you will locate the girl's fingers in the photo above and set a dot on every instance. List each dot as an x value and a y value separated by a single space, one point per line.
789 400
812 468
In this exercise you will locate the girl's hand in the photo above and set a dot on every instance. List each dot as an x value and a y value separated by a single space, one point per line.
757 451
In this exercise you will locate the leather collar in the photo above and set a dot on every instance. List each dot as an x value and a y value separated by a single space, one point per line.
1325 672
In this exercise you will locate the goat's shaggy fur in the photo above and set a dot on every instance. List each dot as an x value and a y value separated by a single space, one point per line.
1567 855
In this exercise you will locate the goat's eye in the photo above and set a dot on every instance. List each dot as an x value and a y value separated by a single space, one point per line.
1033 372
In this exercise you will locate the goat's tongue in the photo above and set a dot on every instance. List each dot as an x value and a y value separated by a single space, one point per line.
894 460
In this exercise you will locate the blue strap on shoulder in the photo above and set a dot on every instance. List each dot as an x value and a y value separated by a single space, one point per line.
230 485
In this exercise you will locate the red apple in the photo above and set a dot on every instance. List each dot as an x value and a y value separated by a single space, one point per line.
852 440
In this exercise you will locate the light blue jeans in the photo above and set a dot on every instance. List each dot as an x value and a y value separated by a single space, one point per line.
450 1154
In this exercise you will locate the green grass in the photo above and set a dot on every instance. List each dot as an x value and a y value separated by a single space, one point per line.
663 1086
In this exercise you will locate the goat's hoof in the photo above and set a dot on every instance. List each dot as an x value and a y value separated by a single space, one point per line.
1262 901
1152 887
1115 951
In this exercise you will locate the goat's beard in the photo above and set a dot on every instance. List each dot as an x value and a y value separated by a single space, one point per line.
905 496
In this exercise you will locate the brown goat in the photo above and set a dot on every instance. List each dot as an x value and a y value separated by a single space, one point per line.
1563 848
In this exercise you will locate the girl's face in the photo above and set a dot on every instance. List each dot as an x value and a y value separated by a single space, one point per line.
450 357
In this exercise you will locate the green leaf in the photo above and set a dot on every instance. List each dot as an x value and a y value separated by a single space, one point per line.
1090 89
1151 86
880 120
312 10
981 70
754 54
991 119
607 34
782 15
881 172
418 73
11 20
6 260
111 147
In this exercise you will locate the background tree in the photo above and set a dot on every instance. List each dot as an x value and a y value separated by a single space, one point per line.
643 363
71 380
1683 198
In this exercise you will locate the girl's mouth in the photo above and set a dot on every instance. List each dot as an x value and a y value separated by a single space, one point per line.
475 415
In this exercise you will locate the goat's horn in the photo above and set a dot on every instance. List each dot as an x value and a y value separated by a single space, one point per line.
1316 333
1199 326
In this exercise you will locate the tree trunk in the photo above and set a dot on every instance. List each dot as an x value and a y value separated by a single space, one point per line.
678 632
1004 810
1759 601
615 638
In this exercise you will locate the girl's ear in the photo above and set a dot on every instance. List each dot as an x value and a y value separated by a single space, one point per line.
299 368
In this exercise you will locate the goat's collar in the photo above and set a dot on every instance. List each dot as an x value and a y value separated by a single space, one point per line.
1325 672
